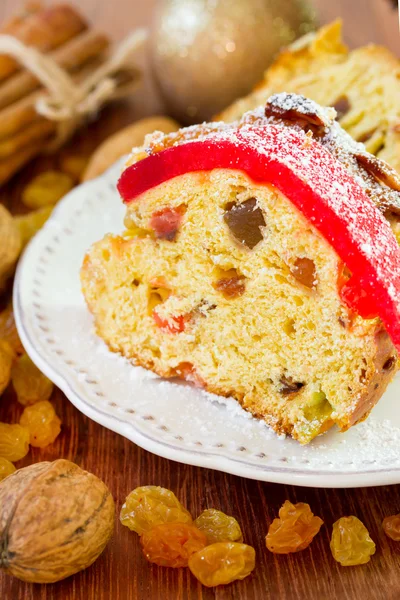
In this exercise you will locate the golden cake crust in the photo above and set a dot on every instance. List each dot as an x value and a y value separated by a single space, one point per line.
364 82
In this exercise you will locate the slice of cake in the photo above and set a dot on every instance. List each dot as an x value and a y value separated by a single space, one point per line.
258 263
363 85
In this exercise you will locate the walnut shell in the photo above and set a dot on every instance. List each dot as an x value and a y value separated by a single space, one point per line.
10 245
55 520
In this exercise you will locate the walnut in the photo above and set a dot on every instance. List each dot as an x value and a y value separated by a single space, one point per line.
55 520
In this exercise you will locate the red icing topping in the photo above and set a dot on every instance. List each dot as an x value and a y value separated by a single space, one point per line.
317 184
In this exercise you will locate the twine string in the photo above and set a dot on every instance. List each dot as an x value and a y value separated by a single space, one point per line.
68 103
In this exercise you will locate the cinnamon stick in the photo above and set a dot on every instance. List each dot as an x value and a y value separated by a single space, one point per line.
44 29
71 56
27 137
16 161
20 116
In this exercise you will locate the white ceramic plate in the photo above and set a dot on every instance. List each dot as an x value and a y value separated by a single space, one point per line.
173 420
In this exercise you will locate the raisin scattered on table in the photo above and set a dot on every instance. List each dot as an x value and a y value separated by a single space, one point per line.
218 526
41 421
151 505
391 526
294 530
172 544
222 563
351 543
6 468
14 441
29 383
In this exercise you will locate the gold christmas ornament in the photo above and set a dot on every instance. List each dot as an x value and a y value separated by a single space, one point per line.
207 53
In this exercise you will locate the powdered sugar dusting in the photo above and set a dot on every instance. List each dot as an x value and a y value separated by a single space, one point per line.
349 220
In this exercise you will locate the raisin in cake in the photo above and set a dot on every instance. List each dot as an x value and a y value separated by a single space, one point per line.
363 85
258 263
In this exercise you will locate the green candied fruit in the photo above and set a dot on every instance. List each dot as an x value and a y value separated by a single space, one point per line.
318 408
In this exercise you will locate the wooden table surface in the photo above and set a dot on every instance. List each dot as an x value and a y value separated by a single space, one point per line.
122 573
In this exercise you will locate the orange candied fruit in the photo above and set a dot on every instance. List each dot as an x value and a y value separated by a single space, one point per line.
170 325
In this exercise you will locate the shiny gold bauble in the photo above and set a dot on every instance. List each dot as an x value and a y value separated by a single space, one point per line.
207 53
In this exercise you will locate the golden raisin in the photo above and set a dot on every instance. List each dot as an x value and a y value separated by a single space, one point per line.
46 188
172 544
351 543
222 563
218 526
8 330
245 221
6 358
30 384
74 164
14 441
6 468
391 526
30 223
152 505
294 530
41 421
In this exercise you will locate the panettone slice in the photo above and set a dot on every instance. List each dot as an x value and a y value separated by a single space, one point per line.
363 85
258 263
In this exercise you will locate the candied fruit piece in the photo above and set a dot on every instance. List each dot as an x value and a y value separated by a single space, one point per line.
172 544
166 222
171 324
6 358
30 384
342 106
351 543
46 188
303 270
42 423
289 386
230 287
188 371
14 441
152 505
30 223
294 530
391 526
218 526
8 330
6 468
245 221
222 563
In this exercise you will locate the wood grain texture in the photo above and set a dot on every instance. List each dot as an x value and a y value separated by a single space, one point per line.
122 573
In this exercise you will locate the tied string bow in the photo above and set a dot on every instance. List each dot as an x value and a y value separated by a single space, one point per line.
69 103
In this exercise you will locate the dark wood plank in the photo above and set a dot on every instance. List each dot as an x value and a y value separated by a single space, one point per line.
122 573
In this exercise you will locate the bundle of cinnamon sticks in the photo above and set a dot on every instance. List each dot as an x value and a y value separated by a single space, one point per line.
60 32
